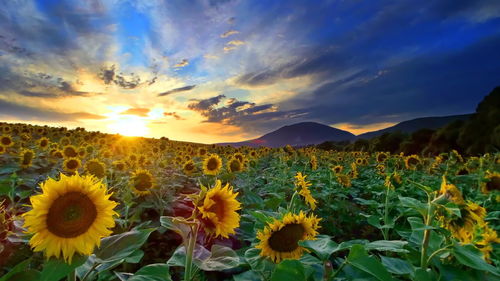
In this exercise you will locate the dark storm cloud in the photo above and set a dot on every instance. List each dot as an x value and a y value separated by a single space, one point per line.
240 113
13 110
109 76
429 85
177 90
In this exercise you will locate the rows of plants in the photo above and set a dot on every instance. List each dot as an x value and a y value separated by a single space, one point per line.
78 205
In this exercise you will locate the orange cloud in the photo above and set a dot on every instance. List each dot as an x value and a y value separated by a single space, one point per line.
142 112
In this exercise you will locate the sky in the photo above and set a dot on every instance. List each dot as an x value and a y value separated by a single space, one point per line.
221 71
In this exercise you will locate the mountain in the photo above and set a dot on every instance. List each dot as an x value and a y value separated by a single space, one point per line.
414 125
299 134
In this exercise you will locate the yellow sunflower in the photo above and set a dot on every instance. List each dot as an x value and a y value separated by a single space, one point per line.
212 164
6 141
337 169
142 182
218 211
43 143
382 156
279 239
189 167
119 165
451 192
344 180
71 164
26 158
411 162
492 183
303 184
313 162
69 151
70 216
96 168
234 165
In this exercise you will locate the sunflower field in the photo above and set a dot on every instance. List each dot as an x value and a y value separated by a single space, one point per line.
79 205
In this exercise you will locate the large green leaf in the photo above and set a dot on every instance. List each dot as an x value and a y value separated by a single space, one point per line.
247 276
56 269
396 266
152 272
414 204
387 245
470 256
289 270
359 259
20 267
122 245
256 261
323 246
218 258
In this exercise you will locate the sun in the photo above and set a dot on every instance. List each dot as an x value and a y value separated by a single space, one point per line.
127 125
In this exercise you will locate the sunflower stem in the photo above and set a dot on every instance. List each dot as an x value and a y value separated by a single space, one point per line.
427 234
72 275
385 231
291 205
188 268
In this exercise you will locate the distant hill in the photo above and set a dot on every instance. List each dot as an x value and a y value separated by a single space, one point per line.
299 134
414 125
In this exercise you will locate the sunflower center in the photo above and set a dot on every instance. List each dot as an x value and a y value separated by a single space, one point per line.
143 182
27 157
72 164
235 165
212 164
286 239
71 215
493 184
6 141
413 161
189 166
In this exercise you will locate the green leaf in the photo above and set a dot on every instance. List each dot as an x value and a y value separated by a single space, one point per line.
289 270
256 261
470 256
221 258
135 257
152 272
359 259
56 269
396 266
122 245
387 245
28 275
247 276
261 217
180 228
323 246
414 204
20 267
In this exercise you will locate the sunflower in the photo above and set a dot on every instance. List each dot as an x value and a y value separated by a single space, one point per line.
43 143
71 164
337 169
234 165
354 171
382 156
239 156
189 167
202 151
451 192
6 141
303 184
218 211
212 164
142 182
71 215
69 151
492 183
95 168
411 162
313 162
26 158
119 165
280 239
344 180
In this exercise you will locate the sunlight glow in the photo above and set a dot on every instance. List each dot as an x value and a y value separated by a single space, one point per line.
128 125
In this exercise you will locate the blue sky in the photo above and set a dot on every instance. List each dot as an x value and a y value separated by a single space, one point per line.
216 71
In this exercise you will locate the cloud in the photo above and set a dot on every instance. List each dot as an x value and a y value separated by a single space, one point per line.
177 90
142 112
236 43
182 63
229 33
174 115
27 113
109 76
